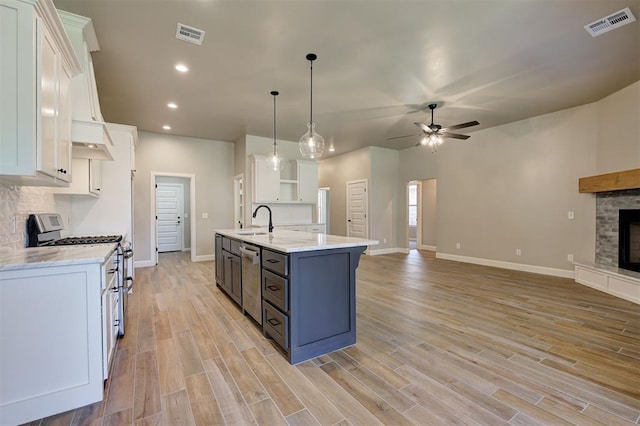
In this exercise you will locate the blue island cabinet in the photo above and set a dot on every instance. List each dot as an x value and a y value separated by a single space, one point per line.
309 300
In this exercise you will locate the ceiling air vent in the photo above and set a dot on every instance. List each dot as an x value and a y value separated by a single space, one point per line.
610 22
189 34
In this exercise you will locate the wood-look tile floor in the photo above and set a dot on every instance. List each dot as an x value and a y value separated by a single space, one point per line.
439 342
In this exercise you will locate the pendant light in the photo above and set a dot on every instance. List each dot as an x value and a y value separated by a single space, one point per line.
311 144
275 161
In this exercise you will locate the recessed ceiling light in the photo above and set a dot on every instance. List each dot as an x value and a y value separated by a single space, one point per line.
182 68
166 127
91 145
172 105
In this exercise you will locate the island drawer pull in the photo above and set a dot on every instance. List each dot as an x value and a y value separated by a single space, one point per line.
273 261
273 287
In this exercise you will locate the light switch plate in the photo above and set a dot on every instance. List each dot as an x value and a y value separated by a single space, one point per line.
205 215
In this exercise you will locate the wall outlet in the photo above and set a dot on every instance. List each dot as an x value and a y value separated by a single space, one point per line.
569 258
458 245
570 215
205 215
384 241
518 252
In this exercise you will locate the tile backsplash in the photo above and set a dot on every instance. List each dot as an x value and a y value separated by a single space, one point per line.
17 202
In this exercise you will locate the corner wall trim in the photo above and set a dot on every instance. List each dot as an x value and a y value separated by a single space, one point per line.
143 263
563 273
387 251
204 258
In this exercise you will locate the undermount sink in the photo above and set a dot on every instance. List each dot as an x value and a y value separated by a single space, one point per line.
251 233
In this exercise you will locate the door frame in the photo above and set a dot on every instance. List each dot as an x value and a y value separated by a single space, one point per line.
238 202
366 203
181 231
418 184
153 240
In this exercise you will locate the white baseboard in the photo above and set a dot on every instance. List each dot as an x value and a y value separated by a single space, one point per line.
387 251
143 263
204 258
430 248
509 265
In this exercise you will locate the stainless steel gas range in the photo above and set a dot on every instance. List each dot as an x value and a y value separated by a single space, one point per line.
44 230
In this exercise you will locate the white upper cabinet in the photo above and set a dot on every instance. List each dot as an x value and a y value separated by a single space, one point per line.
38 64
296 183
266 181
307 181
87 178
89 133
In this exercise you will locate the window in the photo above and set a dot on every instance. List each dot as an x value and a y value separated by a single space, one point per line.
413 205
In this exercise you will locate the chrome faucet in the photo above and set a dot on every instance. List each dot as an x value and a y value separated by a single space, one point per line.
255 212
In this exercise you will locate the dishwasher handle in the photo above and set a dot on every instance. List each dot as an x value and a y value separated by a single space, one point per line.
251 253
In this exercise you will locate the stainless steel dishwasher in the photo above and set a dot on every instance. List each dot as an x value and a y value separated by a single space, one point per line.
251 289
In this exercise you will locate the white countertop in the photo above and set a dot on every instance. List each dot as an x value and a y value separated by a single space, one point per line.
40 257
294 241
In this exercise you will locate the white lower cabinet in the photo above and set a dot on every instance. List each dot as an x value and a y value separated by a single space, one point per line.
51 334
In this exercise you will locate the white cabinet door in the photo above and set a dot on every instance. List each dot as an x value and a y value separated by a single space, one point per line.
307 181
95 176
35 77
266 181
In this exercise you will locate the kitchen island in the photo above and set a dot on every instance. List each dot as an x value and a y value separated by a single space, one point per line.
307 286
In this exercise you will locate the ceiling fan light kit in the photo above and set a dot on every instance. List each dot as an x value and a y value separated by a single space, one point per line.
275 161
432 134
311 144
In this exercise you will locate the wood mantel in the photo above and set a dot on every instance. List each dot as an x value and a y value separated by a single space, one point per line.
627 179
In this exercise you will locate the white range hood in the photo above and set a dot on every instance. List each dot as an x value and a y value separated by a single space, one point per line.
91 139
89 133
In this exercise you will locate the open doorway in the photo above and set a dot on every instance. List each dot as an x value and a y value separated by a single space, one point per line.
421 214
187 228
238 201
323 208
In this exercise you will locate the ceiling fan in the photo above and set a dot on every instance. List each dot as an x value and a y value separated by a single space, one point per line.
433 133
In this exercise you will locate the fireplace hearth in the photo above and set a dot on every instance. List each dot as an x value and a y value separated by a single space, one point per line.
629 239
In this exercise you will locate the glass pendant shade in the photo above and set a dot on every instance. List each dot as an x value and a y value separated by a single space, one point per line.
311 144
275 161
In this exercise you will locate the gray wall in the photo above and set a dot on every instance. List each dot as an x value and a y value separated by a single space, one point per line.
334 173
429 212
511 187
212 163
383 197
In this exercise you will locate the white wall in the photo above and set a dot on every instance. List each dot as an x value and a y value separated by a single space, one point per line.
212 163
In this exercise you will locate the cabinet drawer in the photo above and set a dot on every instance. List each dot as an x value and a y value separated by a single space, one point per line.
276 325
226 244
276 290
276 262
235 247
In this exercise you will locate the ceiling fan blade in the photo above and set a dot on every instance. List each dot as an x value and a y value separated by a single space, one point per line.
405 136
454 136
462 125
424 127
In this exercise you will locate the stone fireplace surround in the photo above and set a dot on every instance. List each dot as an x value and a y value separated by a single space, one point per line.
605 275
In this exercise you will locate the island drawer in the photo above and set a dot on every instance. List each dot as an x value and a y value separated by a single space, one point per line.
275 289
276 325
276 262
232 246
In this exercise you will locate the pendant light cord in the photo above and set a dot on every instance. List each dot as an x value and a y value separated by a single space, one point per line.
274 122
311 95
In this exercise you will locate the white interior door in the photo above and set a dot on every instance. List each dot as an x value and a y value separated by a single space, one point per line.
357 209
169 216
